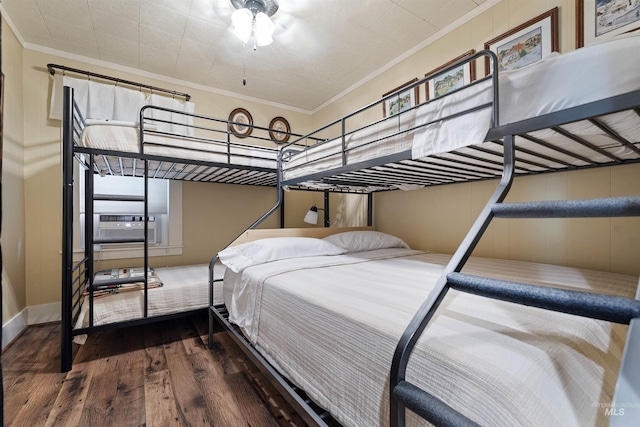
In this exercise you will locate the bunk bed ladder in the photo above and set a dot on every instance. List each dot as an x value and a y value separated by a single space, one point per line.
78 276
91 239
405 395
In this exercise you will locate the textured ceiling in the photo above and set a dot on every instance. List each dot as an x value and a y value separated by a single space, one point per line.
321 47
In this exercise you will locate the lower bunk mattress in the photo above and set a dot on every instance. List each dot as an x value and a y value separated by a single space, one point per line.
176 289
330 324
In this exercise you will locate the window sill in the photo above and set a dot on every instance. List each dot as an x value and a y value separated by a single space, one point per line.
130 252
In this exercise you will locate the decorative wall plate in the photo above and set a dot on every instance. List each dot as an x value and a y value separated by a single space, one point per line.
242 127
279 130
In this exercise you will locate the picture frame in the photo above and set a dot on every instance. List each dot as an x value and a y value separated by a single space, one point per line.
402 101
279 130
525 44
595 23
242 125
453 79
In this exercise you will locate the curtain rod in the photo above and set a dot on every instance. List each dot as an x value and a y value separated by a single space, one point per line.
52 71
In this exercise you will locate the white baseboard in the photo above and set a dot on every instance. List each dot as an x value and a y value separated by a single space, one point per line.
14 327
43 313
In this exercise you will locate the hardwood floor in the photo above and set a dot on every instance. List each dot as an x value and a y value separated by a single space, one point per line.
161 374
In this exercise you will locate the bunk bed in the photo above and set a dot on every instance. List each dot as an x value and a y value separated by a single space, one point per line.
155 140
359 337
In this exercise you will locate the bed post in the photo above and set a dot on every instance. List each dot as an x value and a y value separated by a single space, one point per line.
88 231
67 230
146 238
281 207
369 209
326 208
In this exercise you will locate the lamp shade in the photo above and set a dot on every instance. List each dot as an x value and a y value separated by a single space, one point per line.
242 20
263 30
312 216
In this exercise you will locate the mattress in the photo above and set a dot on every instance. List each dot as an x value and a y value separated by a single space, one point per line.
331 324
184 288
125 137
386 137
597 72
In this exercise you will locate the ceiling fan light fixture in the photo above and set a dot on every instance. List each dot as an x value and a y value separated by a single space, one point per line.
253 16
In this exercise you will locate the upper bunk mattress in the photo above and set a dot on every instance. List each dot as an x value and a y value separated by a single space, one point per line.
331 325
555 83
125 137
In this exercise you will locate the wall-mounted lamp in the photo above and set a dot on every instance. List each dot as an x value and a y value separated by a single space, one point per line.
312 216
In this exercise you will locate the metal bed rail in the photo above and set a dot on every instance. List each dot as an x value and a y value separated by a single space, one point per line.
214 135
352 123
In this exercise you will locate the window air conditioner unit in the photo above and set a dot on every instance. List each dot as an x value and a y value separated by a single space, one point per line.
127 226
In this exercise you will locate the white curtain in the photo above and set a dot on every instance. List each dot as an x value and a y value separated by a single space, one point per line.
108 102
127 104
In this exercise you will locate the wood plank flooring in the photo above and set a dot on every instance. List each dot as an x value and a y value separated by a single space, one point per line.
161 374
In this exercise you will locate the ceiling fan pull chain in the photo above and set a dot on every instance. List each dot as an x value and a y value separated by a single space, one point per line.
244 67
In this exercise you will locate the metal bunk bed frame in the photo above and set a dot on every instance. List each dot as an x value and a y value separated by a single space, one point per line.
78 276
445 170
404 395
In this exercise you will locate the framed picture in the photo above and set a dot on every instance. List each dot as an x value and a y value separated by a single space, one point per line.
242 125
453 79
601 19
402 100
526 44
279 130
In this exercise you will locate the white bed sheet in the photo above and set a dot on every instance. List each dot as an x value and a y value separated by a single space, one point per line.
184 288
322 156
125 137
558 82
332 323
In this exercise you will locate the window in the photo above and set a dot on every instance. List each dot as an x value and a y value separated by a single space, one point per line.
118 218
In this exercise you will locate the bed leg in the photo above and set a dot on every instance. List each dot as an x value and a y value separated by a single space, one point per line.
212 325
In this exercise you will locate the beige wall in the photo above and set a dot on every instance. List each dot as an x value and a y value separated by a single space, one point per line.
438 218
13 210
345 210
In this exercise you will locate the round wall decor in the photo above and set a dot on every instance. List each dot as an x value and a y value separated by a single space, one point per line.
279 130
243 122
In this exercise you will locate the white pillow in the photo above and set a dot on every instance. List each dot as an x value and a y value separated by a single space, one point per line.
237 258
358 241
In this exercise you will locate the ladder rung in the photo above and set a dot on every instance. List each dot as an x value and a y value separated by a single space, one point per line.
586 208
97 284
596 306
429 407
118 198
109 240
